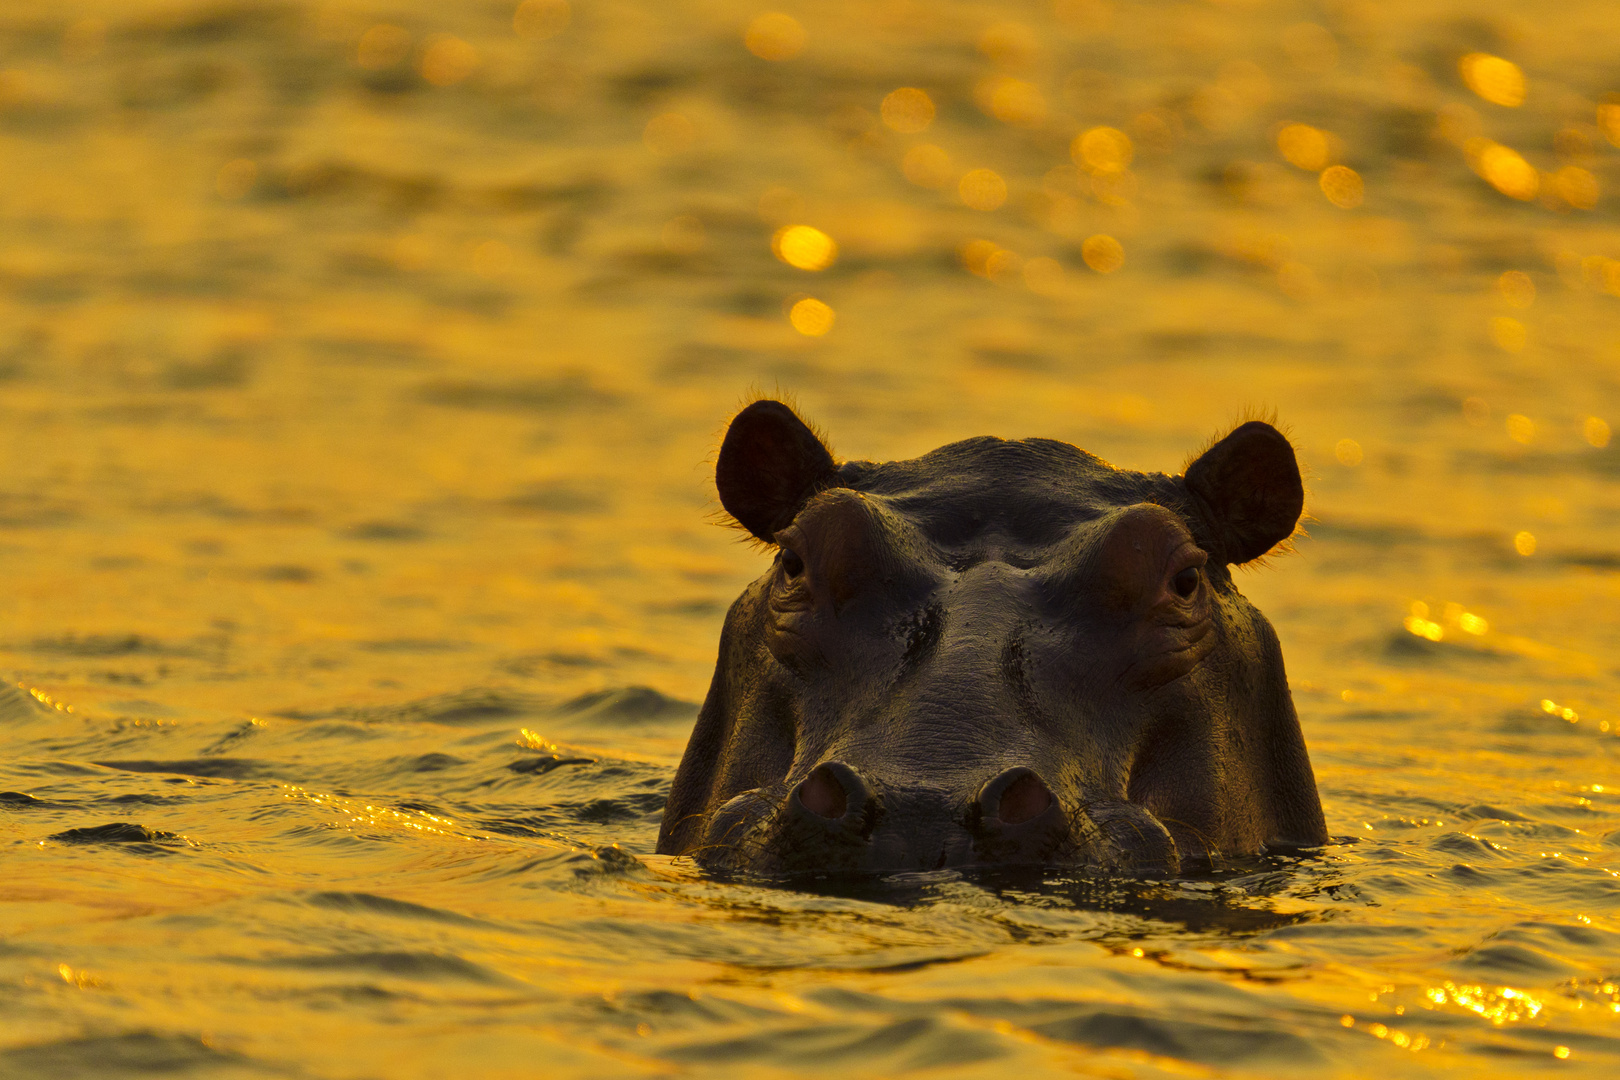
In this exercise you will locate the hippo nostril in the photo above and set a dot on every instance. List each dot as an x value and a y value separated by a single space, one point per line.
1017 820
1024 798
1016 796
823 795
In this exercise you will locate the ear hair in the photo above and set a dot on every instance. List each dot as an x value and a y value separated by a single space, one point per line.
1250 413
1249 489
771 463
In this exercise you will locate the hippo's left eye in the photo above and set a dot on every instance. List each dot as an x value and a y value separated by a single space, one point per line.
1185 582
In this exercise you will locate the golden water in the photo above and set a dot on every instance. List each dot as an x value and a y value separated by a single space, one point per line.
360 365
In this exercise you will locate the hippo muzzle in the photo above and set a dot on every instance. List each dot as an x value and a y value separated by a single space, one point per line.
999 654
837 821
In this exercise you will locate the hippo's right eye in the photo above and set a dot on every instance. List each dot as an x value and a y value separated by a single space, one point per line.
792 565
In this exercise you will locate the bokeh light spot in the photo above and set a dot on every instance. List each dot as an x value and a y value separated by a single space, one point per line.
976 254
1510 336
1496 80
1504 169
1103 253
1524 543
1102 150
927 166
236 178
811 317
448 60
1420 624
1571 141
982 189
1342 186
804 247
1576 186
908 110
1012 101
1155 131
1304 147
1003 265
1595 430
537 20
383 46
1521 429
990 260
774 36
1348 451
1477 411
668 134
1517 288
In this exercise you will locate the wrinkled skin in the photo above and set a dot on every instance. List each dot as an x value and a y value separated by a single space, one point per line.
999 653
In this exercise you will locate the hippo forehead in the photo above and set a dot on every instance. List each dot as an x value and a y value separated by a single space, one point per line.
994 498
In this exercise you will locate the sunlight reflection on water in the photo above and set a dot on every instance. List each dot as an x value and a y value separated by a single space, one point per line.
361 363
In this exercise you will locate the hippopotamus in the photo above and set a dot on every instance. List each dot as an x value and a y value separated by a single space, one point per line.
1001 653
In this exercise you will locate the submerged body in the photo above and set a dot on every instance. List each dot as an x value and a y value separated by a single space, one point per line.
998 653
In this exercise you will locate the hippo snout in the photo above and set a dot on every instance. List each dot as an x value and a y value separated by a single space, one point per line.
840 819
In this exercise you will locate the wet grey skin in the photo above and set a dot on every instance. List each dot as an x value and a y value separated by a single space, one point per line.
997 654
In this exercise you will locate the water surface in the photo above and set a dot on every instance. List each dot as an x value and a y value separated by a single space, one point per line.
361 365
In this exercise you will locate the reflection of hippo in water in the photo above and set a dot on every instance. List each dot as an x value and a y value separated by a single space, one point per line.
1001 652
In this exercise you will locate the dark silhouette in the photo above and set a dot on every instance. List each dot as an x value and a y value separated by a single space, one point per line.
998 653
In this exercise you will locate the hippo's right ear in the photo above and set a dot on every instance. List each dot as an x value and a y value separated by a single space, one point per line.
770 465
1251 491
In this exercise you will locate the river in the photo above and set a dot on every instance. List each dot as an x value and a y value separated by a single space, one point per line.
361 370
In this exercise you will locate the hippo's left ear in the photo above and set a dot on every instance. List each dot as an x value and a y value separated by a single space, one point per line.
770 465
1251 491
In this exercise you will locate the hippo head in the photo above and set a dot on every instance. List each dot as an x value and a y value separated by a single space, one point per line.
998 653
